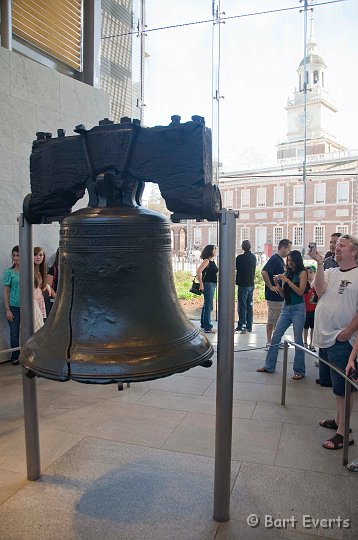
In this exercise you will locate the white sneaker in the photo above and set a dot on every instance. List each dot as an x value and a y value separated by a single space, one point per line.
353 466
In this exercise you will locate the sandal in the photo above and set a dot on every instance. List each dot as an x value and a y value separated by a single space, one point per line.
337 442
331 424
297 377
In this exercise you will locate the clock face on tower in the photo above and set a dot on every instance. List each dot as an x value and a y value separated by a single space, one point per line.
300 119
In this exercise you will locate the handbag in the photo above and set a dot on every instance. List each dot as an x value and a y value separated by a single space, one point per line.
195 287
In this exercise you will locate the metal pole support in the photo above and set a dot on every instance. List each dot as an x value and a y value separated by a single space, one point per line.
6 24
225 366
32 439
347 413
284 374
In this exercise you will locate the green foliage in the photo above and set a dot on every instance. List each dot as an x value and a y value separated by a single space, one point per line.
259 285
183 281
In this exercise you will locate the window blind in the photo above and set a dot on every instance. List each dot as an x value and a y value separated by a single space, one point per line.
54 26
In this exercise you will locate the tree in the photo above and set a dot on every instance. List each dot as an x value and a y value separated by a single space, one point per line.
156 201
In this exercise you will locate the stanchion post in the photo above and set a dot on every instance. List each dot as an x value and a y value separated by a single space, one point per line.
32 439
225 366
347 413
284 374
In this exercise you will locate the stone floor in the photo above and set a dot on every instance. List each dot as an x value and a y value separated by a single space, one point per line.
139 464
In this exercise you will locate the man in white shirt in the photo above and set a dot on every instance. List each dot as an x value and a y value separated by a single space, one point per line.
336 322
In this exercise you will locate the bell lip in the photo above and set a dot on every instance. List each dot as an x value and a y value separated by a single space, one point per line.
107 378
139 377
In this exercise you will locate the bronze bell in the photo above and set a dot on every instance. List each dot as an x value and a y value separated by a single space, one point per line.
116 317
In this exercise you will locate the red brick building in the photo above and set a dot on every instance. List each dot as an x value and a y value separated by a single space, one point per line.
280 201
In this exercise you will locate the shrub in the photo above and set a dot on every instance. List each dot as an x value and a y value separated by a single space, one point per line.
183 281
259 285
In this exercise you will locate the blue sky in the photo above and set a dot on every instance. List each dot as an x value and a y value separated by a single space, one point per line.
259 58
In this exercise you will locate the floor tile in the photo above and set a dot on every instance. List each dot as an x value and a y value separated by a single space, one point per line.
251 440
282 492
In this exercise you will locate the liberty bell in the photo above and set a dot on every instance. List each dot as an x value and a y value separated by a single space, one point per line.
116 317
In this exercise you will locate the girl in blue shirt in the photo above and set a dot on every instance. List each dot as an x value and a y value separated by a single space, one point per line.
11 284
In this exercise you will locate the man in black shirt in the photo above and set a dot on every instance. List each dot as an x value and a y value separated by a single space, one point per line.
330 262
274 266
245 281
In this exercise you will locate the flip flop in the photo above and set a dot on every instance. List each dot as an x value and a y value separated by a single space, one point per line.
337 441
263 370
297 377
330 424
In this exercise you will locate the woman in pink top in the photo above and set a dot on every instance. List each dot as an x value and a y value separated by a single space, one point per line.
310 298
39 286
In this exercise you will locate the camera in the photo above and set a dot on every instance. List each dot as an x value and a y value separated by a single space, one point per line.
312 245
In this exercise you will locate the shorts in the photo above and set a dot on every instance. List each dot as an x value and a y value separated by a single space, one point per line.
309 322
274 311
337 355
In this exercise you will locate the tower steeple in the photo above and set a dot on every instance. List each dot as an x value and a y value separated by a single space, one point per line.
315 66
320 112
311 43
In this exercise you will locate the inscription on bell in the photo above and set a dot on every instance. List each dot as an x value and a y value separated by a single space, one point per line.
95 230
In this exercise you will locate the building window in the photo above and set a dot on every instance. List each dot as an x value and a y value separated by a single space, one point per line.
342 192
197 236
315 77
320 193
277 235
343 229
319 235
229 199
298 235
212 235
278 195
52 27
297 194
261 196
260 239
245 233
245 198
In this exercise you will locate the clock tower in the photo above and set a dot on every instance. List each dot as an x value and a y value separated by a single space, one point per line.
319 111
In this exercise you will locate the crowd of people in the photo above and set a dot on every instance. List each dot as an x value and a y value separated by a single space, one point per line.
319 300
44 291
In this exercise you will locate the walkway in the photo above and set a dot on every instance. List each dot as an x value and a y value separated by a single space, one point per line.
139 464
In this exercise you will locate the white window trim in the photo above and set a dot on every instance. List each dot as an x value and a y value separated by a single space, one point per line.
348 194
315 235
279 189
299 229
278 227
247 204
260 190
295 190
315 193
